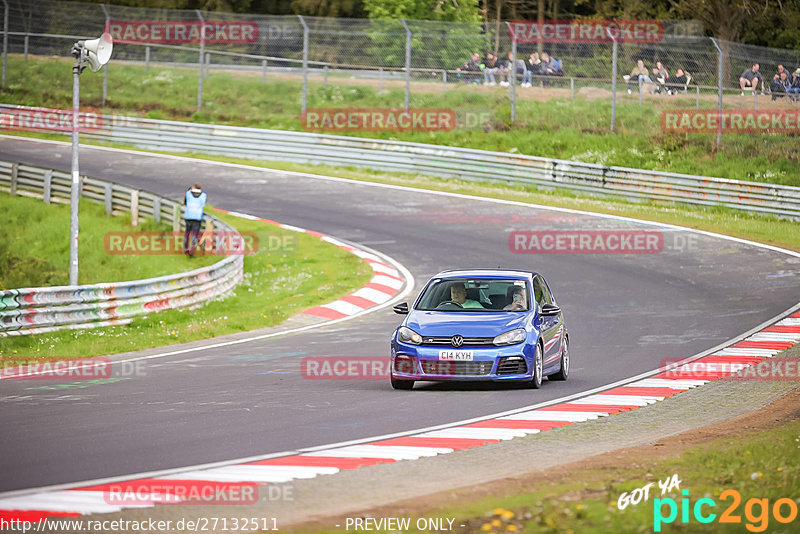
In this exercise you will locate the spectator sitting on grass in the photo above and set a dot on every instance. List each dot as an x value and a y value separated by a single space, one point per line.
491 69
780 85
533 67
471 65
678 82
550 67
661 75
508 69
749 79
794 89
639 73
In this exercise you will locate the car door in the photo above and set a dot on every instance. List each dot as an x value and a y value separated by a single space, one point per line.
550 326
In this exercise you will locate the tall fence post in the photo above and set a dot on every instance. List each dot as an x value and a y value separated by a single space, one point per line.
380 79
108 198
513 87
157 209
105 67
305 66
146 59
325 75
207 65
641 84
263 71
5 41
25 47
200 60
572 88
444 80
719 91
408 61
697 98
614 50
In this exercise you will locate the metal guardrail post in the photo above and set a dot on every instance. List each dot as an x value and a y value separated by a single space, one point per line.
48 184
408 62
176 218
719 95
5 41
157 209
108 199
264 71
305 66
200 60
14 176
134 208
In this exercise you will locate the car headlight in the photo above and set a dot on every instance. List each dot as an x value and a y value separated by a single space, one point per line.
511 338
406 335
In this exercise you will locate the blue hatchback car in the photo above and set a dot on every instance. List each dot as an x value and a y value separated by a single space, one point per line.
498 325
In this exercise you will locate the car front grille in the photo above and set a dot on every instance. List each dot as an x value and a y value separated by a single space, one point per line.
468 341
512 365
456 368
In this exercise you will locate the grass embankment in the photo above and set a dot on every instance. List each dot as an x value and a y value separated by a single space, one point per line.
761 466
289 273
548 124
34 246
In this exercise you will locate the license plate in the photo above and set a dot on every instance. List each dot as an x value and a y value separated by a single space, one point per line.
455 355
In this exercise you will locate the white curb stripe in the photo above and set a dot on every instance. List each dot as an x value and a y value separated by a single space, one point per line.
478 433
547 415
372 295
342 306
677 383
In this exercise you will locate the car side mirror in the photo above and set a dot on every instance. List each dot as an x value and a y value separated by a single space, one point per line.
401 308
550 309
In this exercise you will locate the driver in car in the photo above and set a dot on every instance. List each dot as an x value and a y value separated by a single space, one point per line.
517 300
458 293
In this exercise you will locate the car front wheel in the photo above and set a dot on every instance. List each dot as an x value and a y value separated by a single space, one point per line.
402 384
536 378
563 373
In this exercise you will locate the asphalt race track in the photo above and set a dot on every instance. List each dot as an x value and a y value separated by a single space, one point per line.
625 314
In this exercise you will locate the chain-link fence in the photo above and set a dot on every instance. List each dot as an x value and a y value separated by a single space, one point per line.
419 56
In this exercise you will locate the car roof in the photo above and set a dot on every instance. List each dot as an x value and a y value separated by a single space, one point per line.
486 273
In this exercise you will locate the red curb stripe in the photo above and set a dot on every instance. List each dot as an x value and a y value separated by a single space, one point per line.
783 329
604 408
691 375
382 288
517 423
361 302
450 443
316 234
323 461
774 345
643 391
163 485
730 359
325 313
34 516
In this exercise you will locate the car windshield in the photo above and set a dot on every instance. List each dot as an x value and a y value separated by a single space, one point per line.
475 294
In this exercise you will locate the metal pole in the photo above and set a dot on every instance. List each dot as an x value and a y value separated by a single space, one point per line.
26 47
200 61
613 80
697 99
640 90
146 59
719 89
5 41
444 80
325 75
305 65
208 64
572 88
513 87
408 61
755 101
105 67
380 79
76 181
264 71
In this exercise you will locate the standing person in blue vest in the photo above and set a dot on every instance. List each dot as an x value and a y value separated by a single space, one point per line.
195 201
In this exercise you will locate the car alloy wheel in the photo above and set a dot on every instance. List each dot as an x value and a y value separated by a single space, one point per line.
536 379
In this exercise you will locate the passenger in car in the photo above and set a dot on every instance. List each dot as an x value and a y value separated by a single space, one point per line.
517 300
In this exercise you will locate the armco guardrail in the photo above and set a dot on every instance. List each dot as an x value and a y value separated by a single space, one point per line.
445 162
448 162
45 309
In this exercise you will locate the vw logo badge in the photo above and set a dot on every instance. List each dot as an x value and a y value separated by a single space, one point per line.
457 340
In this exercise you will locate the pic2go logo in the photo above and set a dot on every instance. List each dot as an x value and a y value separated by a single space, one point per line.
756 511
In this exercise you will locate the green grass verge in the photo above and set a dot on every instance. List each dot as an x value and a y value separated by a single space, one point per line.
763 466
291 272
550 126
34 246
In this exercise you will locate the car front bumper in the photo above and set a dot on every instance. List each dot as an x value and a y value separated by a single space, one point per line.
412 362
